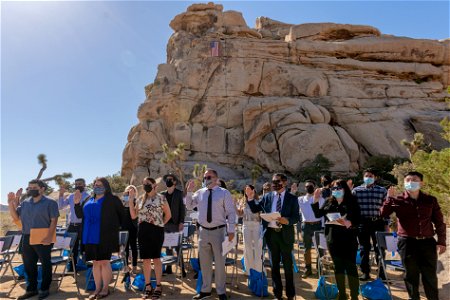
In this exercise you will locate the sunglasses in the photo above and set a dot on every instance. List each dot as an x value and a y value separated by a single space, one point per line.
207 177
336 188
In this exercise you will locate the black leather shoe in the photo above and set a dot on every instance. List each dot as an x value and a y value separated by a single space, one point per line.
223 297
43 294
28 294
201 295
307 273
364 277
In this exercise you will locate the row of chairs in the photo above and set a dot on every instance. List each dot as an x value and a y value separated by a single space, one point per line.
386 243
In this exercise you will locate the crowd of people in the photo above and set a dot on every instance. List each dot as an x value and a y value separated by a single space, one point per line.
350 216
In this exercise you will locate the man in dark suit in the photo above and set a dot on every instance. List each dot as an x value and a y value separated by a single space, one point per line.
279 234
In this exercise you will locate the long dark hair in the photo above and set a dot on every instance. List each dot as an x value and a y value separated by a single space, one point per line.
348 197
253 188
106 185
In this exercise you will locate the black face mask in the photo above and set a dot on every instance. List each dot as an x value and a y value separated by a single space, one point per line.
148 188
276 185
33 193
80 188
310 189
169 183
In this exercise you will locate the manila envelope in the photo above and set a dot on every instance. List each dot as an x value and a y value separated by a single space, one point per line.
37 235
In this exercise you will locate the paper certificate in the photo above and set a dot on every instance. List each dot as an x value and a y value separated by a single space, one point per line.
333 217
37 235
228 245
270 216
171 239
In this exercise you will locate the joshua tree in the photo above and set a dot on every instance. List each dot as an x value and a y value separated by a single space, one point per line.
174 158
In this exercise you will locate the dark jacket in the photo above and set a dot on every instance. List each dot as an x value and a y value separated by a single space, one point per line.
177 207
112 216
337 235
289 211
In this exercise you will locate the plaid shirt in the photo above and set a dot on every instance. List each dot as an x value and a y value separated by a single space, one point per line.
370 199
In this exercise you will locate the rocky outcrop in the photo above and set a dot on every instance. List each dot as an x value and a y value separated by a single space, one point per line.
279 94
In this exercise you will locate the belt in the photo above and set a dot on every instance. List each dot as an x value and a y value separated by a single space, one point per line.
74 224
212 228
313 223
275 229
417 237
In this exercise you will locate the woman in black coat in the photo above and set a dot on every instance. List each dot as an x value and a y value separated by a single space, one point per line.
102 218
341 210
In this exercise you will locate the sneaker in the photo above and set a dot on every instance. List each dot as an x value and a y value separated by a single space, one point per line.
364 277
28 294
307 273
43 294
201 295
223 297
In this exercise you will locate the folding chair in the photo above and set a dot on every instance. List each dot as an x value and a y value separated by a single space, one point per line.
115 258
5 246
231 261
64 247
325 265
173 240
188 241
387 241
17 237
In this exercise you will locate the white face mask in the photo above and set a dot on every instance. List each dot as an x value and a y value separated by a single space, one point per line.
412 186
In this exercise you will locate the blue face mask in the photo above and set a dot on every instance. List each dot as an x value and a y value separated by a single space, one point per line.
412 186
368 180
99 190
126 198
338 194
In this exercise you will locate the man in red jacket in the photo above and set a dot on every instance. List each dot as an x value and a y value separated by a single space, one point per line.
417 212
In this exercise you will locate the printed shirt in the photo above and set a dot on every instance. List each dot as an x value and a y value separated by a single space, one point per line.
150 210
370 199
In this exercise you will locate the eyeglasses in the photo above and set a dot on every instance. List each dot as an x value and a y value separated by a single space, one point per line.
336 188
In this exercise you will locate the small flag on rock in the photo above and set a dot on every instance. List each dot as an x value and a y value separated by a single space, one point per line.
214 49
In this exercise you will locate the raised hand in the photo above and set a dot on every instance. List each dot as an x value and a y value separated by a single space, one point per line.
11 198
77 197
249 193
392 192
350 184
131 194
317 194
294 188
190 185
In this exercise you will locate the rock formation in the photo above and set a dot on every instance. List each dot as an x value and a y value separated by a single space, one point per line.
279 94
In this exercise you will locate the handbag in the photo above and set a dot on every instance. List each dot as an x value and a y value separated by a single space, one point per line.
375 290
257 283
326 290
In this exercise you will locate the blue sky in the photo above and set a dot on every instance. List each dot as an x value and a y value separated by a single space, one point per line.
73 73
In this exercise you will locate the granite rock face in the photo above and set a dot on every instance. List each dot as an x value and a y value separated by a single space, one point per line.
279 94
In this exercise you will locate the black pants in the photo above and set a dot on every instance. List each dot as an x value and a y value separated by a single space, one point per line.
30 256
75 251
419 257
367 239
132 243
280 250
344 260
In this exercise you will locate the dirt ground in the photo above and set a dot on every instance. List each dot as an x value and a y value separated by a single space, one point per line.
185 289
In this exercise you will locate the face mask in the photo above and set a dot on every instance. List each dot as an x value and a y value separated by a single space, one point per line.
126 198
412 186
80 188
338 194
99 190
310 189
277 186
206 182
169 183
33 193
368 180
148 188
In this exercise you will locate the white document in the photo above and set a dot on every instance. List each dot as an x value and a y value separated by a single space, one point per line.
1 246
185 231
333 216
62 242
171 239
391 243
228 245
16 240
270 216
